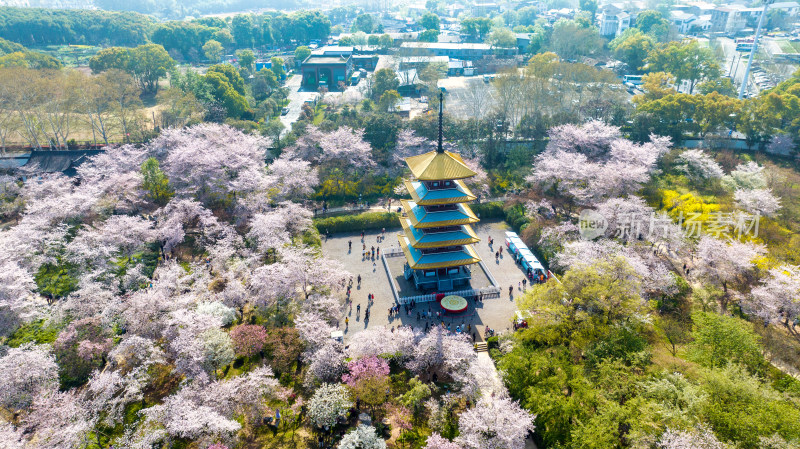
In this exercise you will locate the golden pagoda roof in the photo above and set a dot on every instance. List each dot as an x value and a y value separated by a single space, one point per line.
435 166
419 239
418 261
420 218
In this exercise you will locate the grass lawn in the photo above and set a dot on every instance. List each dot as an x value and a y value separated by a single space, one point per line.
789 47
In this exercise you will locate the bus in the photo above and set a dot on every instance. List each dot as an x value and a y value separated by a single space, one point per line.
632 80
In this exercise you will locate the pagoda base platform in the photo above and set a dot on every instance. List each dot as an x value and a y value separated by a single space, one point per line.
440 280
406 288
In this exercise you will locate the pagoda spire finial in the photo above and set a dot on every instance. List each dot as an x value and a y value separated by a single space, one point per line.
440 148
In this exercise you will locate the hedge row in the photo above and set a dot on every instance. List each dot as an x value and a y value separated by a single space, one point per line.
485 211
378 220
357 223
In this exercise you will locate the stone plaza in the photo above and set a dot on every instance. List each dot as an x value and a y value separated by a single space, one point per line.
497 313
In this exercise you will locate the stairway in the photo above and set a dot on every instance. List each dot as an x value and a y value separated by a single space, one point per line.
481 347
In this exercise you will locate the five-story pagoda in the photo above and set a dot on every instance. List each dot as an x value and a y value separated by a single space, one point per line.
437 238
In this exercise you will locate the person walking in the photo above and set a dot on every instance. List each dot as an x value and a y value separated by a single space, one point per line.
359 280
349 245
358 309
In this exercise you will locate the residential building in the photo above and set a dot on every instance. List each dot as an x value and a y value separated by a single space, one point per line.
682 20
728 19
612 20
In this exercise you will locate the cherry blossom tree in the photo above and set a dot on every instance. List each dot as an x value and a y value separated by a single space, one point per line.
748 176
275 228
757 201
777 299
180 416
248 339
327 364
497 423
81 347
27 372
195 342
724 263
365 368
698 166
343 148
329 403
362 437
291 179
410 144
701 438
439 350
59 420
11 437
655 275
381 341
436 441
209 160
591 162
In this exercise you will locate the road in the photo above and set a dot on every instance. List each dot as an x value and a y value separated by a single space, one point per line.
296 98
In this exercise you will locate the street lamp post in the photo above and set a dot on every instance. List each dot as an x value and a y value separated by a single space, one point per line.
746 79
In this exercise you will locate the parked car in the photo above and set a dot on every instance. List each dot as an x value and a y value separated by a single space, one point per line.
284 111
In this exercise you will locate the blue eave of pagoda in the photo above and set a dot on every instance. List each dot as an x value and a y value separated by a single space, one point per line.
435 237
461 215
458 194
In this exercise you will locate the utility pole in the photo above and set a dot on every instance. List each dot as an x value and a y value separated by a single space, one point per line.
746 79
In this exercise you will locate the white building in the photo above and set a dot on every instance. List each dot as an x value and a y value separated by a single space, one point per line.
612 21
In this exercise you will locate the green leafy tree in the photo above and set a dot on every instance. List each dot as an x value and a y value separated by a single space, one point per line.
246 59
365 23
301 53
56 280
526 16
589 6
570 39
277 67
385 41
502 38
146 63
243 28
719 340
388 100
213 50
476 27
263 83
429 21
722 86
155 182
632 48
429 36
652 22
684 60
231 75
383 80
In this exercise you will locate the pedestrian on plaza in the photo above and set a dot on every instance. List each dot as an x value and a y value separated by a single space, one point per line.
510 290
418 316
358 308
524 281
359 280
346 322
349 245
